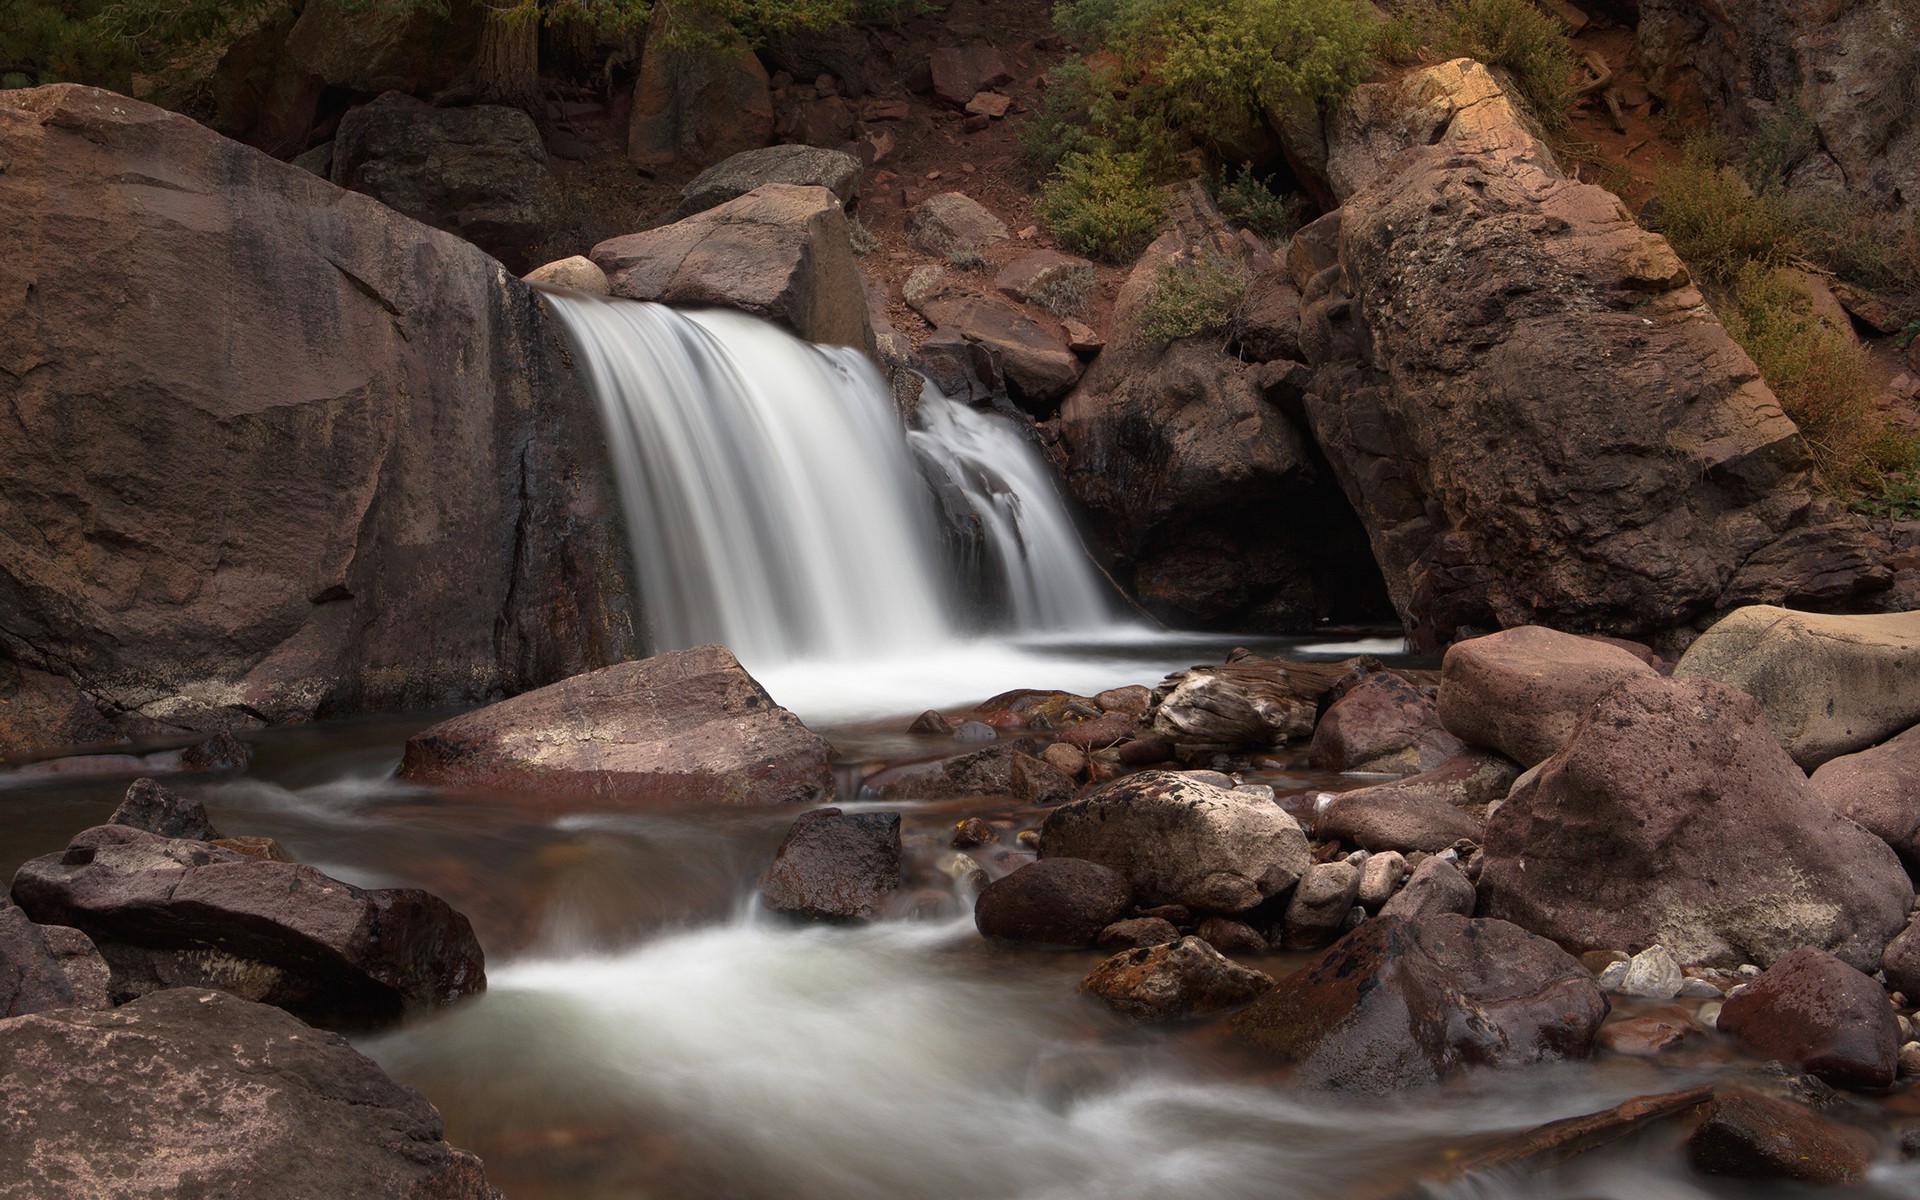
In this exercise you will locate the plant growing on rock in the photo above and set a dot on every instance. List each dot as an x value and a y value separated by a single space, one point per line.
1247 201
1193 294
1519 39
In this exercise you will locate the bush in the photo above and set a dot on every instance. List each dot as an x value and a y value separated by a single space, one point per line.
1102 204
1192 296
1712 218
49 42
1518 38
1248 202
1063 293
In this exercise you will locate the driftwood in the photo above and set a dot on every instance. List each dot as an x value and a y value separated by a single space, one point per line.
1255 703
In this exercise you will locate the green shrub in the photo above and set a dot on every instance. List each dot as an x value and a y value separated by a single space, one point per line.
1897 497
1714 220
1782 142
1518 38
1192 296
46 42
1247 201
1063 293
1102 204
966 258
860 237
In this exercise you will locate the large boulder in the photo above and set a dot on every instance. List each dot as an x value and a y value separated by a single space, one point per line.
1530 405
1816 1012
1828 684
1181 841
1879 789
1182 462
685 727
1843 70
696 103
197 1093
802 166
33 975
782 251
1521 691
835 866
1399 1003
1054 902
172 912
1672 816
1028 354
480 172
948 221
297 455
414 48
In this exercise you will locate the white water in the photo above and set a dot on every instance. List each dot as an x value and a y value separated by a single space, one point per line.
775 507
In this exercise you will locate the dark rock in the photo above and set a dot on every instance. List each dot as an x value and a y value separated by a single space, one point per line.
973 832
433 525
31 978
835 866
478 172
1879 790
1522 690
823 121
696 104
1318 909
153 808
781 252
418 50
220 754
959 72
1029 355
1750 1136
1399 1003
176 913
931 722
1901 961
1382 724
1436 887
1267 327
1003 769
1056 902
1173 980
1231 937
1182 842
191 1092
1816 1012
1379 818
1137 931
975 731
1672 816
684 727
87 972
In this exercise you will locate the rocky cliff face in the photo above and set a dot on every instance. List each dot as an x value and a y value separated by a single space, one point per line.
1526 399
273 450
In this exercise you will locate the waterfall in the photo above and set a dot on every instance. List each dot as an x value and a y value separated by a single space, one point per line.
775 504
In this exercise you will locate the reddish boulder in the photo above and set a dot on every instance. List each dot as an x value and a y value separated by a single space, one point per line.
1002 769
961 71
1436 887
696 104
1672 816
1384 819
686 727
1816 1012
1174 979
1056 902
176 913
1400 1003
1382 724
1750 1136
190 1092
1029 355
1879 789
835 866
1521 691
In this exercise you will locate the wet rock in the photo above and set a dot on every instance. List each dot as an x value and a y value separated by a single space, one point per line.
1002 769
1750 1136
1380 877
1652 974
975 732
1879 790
576 272
1133 700
1055 901
1436 887
1645 1037
479 172
835 866
176 913
394 370
1137 931
221 754
1318 908
194 1092
1182 842
1252 702
807 166
1829 685
1108 729
949 221
782 251
1231 937
1173 980
1521 691
1382 724
931 722
684 727
1028 354
696 104
1069 760
1402 1002
973 832
155 809
1814 1011
1382 818
1672 816
960 72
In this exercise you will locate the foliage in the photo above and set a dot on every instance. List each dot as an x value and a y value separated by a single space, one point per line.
1780 143
1063 293
1102 203
1898 497
1518 38
1714 220
966 258
1247 201
1192 296
45 41
860 236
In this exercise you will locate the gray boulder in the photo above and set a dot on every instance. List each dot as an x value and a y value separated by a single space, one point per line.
806 166
949 221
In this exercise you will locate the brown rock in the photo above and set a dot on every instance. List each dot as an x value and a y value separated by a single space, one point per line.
973 832
782 251
961 72
1814 1011
1172 980
176 913
1522 690
1069 760
1320 903
1470 779
1644 1037
1384 724
1672 816
1231 937
31 978
430 527
153 808
1044 278
685 727
1056 901
1379 818
1267 327
1132 700
800 166
254 1102
835 866
931 722
1137 931
1108 729
1901 961
1436 887
1399 1003
1027 354
1879 789
80 960
696 104
989 104
1751 1136
1251 702
576 272
1002 769
948 221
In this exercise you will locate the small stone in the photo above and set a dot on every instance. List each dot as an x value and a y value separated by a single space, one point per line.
962 869
1599 960
1380 878
1646 1036
989 104
1137 931
1177 979
1068 760
1699 989
157 809
1910 1059
973 832
1613 975
1231 937
1436 886
1652 974
931 722
974 732
1319 905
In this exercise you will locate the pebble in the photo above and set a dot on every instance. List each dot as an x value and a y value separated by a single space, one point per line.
961 868
1699 989
1380 876
1910 1059
1613 976
1652 974
1708 1015
1028 837
975 731
973 832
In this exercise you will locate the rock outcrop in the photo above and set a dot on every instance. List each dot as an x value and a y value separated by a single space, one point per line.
349 466
1672 816
192 1092
684 727
1528 402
